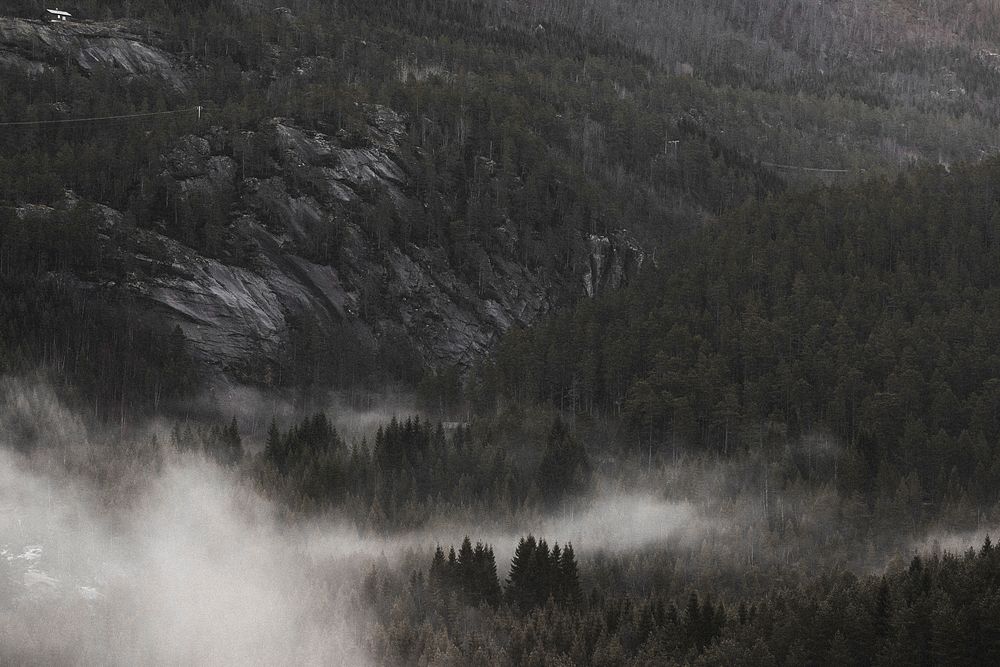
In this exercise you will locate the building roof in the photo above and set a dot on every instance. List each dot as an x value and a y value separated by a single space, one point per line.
58 12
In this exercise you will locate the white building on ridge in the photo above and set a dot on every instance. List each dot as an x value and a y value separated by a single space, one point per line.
57 15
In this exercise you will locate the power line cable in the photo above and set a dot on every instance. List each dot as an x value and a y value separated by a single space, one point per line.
792 166
22 123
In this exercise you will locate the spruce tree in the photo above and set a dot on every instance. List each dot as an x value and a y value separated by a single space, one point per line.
565 468
466 572
569 577
692 621
491 585
555 578
542 580
520 581
273 449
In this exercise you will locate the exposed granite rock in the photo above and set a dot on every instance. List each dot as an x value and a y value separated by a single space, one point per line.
235 316
298 239
238 317
238 313
34 46
612 262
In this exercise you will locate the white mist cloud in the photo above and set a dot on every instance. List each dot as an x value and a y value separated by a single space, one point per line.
189 566
194 571
30 412
356 414
609 523
115 564
937 542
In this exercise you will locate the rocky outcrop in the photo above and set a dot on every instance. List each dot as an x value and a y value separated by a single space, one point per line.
238 313
613 261
299 221
34 46
238 316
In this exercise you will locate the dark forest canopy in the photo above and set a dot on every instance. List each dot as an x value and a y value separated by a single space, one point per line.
938 611
867 312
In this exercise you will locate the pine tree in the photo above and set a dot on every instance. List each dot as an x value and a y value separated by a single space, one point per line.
273 449
233 444
491 585
565 468
438 568
466 569
883 610
224 444
569 577
178 440
543 580
522 574
692 621
555 579
437 578
453 575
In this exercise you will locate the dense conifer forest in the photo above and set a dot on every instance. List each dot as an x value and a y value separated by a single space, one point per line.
867 311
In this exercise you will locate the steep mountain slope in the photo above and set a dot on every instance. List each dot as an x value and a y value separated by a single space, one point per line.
375 190
284 254
36 47
309 263
298 262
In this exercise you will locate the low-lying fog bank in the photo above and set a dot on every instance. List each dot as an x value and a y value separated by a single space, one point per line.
355 414
195 572
606 524
182 563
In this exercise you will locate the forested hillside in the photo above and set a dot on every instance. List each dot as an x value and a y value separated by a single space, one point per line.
369 192
892 73
868 313
358 165
513 332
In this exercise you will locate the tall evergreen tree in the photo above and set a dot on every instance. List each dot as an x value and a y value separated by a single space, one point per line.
565 467
569 577
522 579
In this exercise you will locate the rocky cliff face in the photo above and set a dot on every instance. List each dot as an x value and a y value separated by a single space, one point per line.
377 291
238 314
613 260
299 217
35 46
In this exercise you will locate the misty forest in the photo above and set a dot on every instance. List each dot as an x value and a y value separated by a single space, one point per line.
500 332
